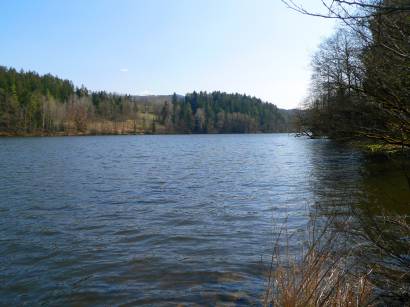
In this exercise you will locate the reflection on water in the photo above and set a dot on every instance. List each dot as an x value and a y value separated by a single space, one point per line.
387 187
157 219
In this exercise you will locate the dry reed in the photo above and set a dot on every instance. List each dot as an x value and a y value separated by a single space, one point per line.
322 274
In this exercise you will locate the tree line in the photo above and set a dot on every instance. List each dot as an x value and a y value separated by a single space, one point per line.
31 103
360 85
360 91
219 112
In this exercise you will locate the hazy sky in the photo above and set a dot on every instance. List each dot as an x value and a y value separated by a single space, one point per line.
257 47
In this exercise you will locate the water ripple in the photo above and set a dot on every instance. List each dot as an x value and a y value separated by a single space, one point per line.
153 220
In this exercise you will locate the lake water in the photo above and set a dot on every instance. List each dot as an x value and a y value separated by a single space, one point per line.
156 220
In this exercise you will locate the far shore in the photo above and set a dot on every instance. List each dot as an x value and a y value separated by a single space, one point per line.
66 133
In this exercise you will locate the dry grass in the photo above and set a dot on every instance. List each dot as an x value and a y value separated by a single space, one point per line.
322 275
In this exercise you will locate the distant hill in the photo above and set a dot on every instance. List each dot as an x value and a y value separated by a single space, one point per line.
31 104
289 117
152 99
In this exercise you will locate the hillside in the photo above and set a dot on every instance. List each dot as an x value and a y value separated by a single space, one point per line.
33 104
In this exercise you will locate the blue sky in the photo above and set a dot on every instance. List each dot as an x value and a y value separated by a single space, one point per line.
257 47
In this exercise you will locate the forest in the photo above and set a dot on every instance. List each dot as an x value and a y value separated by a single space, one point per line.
31 104
360 85
360 94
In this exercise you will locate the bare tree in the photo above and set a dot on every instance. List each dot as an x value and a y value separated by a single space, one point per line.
369 58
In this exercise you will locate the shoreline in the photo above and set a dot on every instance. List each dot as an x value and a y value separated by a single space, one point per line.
8 135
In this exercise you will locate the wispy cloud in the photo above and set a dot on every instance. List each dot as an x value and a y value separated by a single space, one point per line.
124 70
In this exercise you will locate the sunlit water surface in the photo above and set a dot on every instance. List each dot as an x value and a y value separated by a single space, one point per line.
156 220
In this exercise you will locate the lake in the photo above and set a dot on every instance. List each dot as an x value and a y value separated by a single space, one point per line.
158 220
